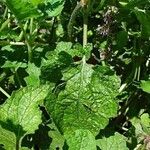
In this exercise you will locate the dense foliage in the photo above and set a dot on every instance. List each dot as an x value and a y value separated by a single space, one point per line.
75 75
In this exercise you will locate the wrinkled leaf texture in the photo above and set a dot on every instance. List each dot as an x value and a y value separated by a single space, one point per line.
88 100
20 114
115 142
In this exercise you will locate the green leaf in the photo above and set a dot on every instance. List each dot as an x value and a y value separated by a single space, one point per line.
14 64
141 125
81 140
34 74
131 4
145 120
57 60
115 142
77 49
8 48
136 122
23 9
144 19
88 100
20 114
80 51
145 85
145 123
122 38
63 46
57 139
7 138
52 8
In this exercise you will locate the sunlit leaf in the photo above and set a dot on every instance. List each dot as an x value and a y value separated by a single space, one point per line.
20 114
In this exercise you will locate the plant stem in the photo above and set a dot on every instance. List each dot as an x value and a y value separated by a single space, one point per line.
5 12
21 34
31 26
29 51
17 76
28 43
4 92
85 25
5 24
4 43
17 144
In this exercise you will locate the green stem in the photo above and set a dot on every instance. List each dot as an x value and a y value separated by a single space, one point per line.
4 43
4 92
29 51
8 15
27 39
72 19
19 81
21 34
31 26
5 24
139 73
18 144
103 63
85 25
5 13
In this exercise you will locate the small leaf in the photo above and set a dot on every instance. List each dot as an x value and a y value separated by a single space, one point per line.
14 64
115 142
57 60
145 85
57 139
81 140
20 114
145 122
34 74
136 122
63 46
52 8
141 125
8 48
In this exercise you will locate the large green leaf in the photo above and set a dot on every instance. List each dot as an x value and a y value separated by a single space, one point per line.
24 8
81 140
20 114
115 142
88 100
